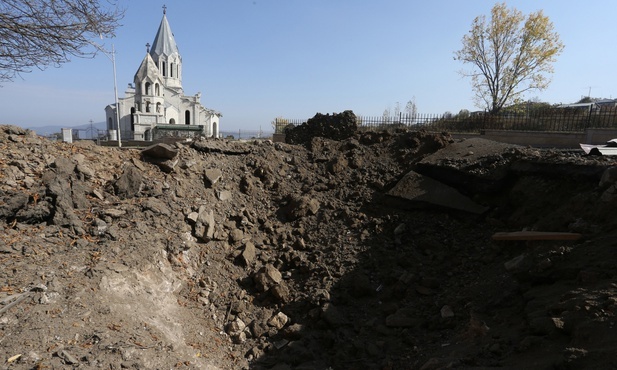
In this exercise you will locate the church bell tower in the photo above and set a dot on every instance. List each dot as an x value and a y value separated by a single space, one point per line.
165 54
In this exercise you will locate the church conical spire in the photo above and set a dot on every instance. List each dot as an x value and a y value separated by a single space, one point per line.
164 41
147 68
165 54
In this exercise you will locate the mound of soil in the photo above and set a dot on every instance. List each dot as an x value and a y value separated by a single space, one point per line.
338 126
214 254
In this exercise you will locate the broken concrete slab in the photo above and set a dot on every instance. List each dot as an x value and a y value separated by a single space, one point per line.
218 146
166 166
248 254
160 151
212 175
129 184
422 189
473 164
224 195
162 155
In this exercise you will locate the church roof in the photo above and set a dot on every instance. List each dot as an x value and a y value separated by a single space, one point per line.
147 68
164 41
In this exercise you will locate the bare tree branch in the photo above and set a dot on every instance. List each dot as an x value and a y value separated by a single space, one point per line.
43 33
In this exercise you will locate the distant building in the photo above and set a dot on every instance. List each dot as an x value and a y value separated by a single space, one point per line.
155 102
594 105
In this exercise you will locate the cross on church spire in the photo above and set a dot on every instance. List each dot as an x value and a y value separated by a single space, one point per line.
147 47
164 9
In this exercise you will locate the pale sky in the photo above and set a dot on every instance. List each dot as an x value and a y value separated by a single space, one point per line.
254 60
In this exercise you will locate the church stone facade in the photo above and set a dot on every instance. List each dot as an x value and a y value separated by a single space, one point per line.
155 102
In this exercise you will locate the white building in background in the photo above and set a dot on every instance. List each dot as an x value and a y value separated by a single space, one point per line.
156 99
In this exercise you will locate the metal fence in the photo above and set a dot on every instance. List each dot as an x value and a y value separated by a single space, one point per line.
245 134
82 134
233 135
551 119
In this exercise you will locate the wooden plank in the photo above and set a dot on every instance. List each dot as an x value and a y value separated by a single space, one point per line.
535 235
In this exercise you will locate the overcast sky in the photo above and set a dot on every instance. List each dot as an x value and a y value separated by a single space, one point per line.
254 60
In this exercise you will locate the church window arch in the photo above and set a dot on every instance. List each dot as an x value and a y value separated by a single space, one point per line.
164 68
132 118
147 107
187 117
147 88
157 90
158 107
172 121
171 69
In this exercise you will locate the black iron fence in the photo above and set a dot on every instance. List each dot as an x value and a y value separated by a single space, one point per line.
568 119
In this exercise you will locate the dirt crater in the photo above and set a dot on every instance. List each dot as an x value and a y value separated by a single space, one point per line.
264 255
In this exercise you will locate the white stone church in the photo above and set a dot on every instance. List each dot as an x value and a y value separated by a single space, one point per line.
155 104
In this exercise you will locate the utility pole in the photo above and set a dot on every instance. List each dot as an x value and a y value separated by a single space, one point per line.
113 62
112 56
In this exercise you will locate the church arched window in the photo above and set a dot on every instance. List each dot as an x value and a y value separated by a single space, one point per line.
147 107
157 90
132 118
158 107
163 68
171 69
148 88
172 121
187 117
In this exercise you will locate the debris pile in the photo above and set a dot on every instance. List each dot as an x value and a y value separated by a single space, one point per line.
373 250
338 126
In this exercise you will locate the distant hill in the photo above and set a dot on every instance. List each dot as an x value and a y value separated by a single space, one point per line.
86 131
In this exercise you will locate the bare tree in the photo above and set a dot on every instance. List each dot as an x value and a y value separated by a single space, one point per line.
411 109
397 109
386 116
43 33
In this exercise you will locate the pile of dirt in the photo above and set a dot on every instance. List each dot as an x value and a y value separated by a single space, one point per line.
214 254
338 126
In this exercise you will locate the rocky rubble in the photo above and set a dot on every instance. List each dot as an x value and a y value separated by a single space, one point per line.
227 255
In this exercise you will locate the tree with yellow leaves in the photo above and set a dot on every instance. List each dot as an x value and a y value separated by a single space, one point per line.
511 54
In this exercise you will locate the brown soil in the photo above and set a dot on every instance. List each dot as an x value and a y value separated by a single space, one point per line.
224 255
